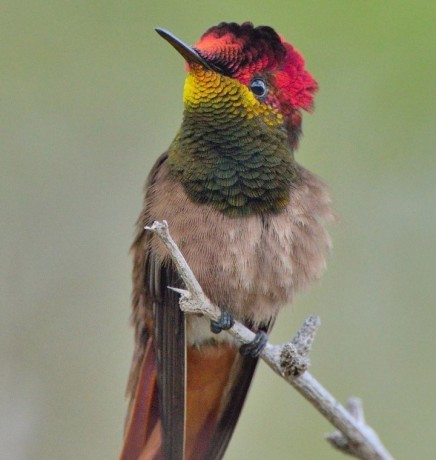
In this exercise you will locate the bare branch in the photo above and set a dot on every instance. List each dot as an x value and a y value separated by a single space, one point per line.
339 441
290 361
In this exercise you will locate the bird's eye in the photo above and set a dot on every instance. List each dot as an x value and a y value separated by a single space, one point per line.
259 88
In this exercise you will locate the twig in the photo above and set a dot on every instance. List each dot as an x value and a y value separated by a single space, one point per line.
290 361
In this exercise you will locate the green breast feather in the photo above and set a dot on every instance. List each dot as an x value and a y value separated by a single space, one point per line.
239 166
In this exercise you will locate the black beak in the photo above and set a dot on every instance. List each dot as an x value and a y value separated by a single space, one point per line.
190 54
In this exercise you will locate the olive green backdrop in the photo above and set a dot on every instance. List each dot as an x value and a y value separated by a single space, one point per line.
90 96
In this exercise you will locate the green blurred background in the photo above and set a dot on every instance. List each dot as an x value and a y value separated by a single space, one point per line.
90 97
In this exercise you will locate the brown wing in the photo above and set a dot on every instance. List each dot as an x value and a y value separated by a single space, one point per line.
169 332
143 415
156 317
142 303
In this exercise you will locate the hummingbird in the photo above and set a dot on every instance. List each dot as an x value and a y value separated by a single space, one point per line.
249 220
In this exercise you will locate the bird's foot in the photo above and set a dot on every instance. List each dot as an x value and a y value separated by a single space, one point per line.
255 347
225 322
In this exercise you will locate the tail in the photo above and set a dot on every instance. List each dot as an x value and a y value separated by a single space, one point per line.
143 424
216 385
208 376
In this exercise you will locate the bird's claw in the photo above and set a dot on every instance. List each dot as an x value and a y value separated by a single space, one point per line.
225 322
255 347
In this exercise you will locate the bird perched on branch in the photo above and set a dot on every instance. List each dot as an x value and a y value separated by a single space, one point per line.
250 222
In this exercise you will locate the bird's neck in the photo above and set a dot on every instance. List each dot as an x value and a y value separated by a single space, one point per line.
231 152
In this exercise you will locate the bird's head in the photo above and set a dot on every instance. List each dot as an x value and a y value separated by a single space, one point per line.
248 72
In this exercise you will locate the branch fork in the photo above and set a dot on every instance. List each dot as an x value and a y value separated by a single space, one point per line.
290 361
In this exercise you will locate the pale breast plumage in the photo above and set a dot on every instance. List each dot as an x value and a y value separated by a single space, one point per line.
253 264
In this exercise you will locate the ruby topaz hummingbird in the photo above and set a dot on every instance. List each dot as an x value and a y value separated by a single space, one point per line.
250 222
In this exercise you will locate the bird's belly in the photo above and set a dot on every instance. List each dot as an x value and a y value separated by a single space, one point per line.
244 266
